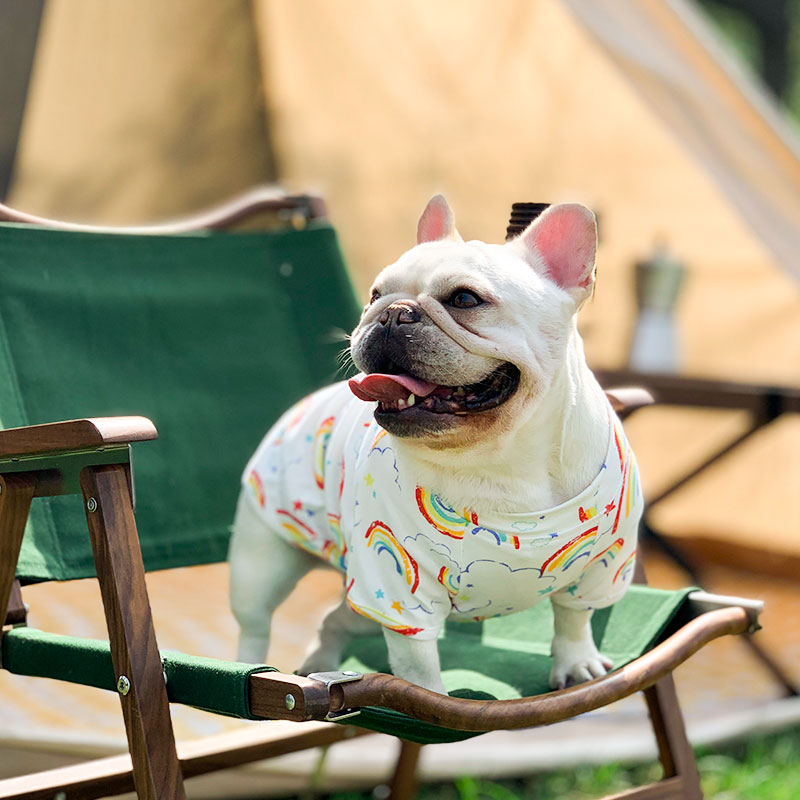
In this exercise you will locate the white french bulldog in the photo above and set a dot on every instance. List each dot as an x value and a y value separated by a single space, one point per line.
473 468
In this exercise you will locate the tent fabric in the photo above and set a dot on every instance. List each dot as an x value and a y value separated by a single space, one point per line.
142 111
212 336
731 128
512 651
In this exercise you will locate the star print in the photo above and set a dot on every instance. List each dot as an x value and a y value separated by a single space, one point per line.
397 607
610 507
297 505
546 591
309 437
368 479
379 594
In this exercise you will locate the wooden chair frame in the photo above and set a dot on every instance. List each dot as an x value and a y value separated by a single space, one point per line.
154 768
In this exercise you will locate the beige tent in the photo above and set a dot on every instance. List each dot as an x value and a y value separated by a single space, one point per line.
143 110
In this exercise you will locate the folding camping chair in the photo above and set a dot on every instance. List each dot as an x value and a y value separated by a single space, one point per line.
173 322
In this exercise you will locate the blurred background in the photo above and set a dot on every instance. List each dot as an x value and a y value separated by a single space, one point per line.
674 121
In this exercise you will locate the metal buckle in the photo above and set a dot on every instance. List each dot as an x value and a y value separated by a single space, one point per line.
331 678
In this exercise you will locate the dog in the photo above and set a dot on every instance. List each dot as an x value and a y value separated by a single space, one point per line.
474 467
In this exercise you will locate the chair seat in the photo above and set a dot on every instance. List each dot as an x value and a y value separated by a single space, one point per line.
504 658
513 653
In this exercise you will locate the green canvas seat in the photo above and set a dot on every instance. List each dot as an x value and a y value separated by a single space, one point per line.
211 335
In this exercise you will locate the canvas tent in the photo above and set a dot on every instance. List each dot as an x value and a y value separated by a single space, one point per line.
147 110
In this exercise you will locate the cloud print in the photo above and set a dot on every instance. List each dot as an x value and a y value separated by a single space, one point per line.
443 554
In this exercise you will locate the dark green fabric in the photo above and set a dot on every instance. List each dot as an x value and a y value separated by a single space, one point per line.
509 657
211 335
221 687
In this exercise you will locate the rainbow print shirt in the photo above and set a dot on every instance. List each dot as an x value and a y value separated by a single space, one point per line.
327 479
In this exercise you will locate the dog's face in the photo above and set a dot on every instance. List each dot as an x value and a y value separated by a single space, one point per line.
459 338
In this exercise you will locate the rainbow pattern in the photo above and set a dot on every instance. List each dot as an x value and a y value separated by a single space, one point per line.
320 445
443 518
448 580
298 531
254 481
626 567
567 555
378 616
335 550
381 539
585 514
381 433
610 553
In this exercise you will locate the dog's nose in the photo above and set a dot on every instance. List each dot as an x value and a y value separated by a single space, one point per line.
400 313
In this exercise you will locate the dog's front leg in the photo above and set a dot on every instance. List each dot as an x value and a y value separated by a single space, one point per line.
575 656
415 660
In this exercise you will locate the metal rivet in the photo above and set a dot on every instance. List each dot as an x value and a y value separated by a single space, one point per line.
290 702
91 504
123 685
349 673
286 269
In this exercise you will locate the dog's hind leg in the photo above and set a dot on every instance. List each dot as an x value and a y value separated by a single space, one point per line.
338 627
263 571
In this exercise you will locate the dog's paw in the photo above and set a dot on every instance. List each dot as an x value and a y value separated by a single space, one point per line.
576 662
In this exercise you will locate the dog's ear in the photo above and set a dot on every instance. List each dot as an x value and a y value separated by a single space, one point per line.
563 242
437 222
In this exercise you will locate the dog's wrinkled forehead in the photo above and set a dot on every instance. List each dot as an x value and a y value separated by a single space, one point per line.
494 272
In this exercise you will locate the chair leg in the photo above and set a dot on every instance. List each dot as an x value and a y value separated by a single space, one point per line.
16 493
137 664
674 750
404 780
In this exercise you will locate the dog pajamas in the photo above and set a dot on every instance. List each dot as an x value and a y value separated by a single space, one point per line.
327 479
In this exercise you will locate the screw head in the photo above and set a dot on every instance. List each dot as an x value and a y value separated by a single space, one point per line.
123 685
91 504
290 702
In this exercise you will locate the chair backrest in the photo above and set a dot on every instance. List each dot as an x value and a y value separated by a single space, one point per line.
211 335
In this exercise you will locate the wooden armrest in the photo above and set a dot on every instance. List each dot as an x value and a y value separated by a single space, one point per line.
221 217
627 399
76 434
683 391
312 700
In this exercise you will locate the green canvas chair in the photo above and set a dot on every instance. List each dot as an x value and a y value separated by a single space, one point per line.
204 332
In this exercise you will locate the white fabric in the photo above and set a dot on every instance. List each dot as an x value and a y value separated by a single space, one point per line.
328 479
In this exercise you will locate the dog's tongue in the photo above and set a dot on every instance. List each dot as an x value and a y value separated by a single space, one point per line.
389 388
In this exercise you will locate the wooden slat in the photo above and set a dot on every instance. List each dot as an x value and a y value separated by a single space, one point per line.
114 775
76 434
674 751
221 217
16 493
682 391
134 652
16 613
404 780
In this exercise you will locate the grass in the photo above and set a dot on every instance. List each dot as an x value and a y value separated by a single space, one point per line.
764 767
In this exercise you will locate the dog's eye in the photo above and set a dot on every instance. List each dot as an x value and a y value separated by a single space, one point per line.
461 298
374 296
